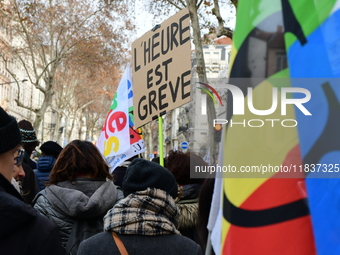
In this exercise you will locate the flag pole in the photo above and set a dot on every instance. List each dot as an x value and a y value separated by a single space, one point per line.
160 140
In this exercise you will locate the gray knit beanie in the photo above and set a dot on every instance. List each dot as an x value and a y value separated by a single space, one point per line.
10 135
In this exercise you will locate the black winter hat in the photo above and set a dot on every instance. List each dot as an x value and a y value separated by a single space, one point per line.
142 174
51 148
10 135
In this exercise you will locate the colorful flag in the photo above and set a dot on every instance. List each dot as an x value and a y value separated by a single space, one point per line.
119 140
314 60
264 209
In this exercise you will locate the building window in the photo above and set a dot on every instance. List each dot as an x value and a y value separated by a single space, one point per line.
281 61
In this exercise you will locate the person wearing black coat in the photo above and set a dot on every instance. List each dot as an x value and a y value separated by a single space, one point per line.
22 230
29 141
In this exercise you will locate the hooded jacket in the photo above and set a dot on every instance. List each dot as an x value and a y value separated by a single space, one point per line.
81 199
22 229
44 167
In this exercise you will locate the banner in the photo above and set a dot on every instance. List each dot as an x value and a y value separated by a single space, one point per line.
119 140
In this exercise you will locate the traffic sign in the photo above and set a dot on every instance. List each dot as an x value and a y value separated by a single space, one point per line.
184 145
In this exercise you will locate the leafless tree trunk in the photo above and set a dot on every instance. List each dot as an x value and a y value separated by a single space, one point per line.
201 72
146 130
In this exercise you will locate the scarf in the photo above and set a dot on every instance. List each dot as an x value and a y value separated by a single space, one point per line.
16 185
148 212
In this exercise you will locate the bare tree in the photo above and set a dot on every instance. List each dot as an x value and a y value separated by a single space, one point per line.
47 33
86 90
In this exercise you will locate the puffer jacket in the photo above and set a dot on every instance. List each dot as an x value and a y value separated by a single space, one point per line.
44 167
81 199
187 203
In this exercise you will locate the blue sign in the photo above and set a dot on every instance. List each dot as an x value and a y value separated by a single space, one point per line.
184 145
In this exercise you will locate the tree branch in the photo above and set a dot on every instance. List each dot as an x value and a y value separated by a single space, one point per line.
25 107
172 3
221 30
28 37
226 31
199 4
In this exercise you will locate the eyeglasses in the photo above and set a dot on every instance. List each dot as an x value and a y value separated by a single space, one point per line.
18 159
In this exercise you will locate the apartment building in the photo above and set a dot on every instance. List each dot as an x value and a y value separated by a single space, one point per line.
187 123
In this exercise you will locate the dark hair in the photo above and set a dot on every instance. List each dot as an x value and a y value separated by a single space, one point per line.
79 158
180 163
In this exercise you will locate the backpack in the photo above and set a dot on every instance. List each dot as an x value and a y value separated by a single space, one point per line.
81 230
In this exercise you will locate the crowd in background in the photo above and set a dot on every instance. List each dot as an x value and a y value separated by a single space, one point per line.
67 201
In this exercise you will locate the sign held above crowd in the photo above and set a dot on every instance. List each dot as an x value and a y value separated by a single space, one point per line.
161 68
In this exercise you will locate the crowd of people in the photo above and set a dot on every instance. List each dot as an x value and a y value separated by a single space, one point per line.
68 202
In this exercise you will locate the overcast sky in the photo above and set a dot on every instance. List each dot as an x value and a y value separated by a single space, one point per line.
146 22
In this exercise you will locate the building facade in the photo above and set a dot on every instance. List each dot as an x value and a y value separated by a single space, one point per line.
187 123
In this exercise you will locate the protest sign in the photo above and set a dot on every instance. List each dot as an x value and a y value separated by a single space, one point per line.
161 68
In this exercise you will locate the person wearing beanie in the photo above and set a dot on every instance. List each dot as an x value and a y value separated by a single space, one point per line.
29 141
19 222
143 174
50 152
146 220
